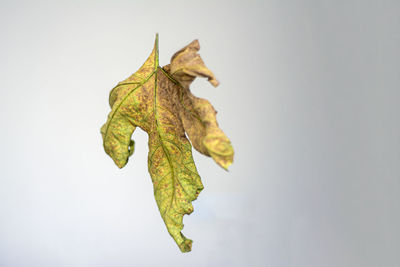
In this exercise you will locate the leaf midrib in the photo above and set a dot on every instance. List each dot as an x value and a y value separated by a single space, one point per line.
165 150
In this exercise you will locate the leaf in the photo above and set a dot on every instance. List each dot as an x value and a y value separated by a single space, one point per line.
158 100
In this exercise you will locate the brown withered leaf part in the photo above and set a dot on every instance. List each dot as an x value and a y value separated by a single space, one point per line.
198 115
158 100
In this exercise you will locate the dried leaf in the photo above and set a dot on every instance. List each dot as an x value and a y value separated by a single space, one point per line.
158 100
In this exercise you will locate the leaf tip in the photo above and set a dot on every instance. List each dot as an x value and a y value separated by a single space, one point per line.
214 82
225 164
156 48
186 245
156 42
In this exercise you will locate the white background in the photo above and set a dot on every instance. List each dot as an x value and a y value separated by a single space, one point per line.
309 97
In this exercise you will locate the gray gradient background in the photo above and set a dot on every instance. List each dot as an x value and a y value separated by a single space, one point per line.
309 96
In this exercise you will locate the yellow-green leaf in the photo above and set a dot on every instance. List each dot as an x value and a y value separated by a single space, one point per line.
158 100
